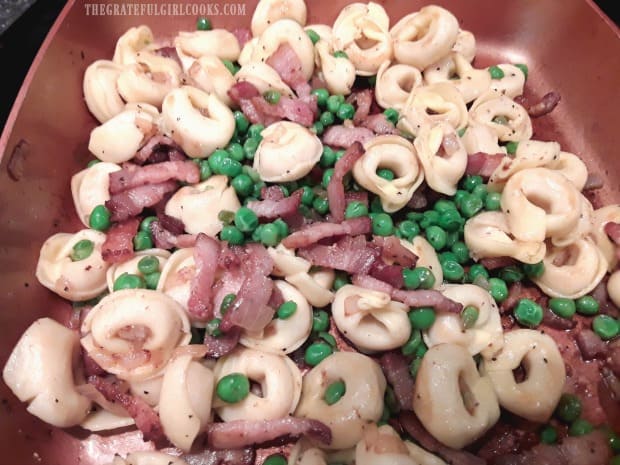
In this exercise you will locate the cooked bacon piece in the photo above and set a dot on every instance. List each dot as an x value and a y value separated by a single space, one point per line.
414 428
343 136
493 263
613 360
483 164
353 196
218 346
164 239
243 90
315 232
374 284
593 182
362 100
396 370
293 109
350 254
609 395
143 414
272 209
200 303
157 149
91 368
288 65
590 345
518 291
241 433
132 176
132 201
245 456
510 435
554 321
546 104
606 306
118 245
335 188
591 449
272 193
243 35
613 231
379 124
427 298
393 251
391 274
419 200
172 224
169 52
250 309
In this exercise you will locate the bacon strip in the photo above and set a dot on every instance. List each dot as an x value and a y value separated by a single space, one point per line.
379 124
315 232
343 136
363 102
396 369
241 433
272 209
200 303
350 254
118 245
546 104
288 65
218 346
157 148
245 456
134 176
590 345
335 188
145 417
483 164
131 202
394 251
164 239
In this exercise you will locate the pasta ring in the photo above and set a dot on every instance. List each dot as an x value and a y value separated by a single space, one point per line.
395 83
455 68
480 138
382 446
134 40
131 266
511 84
263 77
269 11
219 42
491 105
427 257
209 73
600 217
362 402
314 286
537 396
465 45
338 72
100 91
91 187
438 398
571 166
613 288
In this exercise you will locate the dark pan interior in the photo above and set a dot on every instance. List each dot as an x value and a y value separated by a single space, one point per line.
568 46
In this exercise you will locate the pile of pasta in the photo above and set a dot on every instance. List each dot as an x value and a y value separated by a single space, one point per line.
448 111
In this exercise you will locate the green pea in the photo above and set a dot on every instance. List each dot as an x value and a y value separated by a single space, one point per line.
314 37
317 352
230 167
230 66
469 182
128 281
307 196
452 237
321 205
92 163
142 241
496 72
212 328
246 220
145 224
471 205
548 435
333 103
414 367
419 277
203 24
511 274
152 280
235 151
587 305
327 118
452 271
345 111
385 173
99 218
272 96
498 289
205 170
328 157
320 321
421 350
317 128
500 119
255 131
321 97
534 270
415 216
409 229
82 250
391 115
340 54
242 184
447 256
257 189
443 205
493 201
436 237
269 235
477 270
148 265
215 160
461 132
606 327
461 251
429 218
382 225
341 279
450 220
528 313
233 388
459 196
334 392
523 69
410 347
511 147
480 191
422 318
232 235
241 122
469 316
615 460
286 310
580 427
227 302
376 206
282 228
276 459
614 441
226 217
372 80
327 176
355 209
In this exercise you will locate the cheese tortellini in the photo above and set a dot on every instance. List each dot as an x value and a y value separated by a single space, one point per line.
453 402
133 41
485 336
269 11
536 397
176 276
600 217
279 379
211 75
131 266
361 404
91 187
456 69
198 206
133 333
338 72
100 91
397 154
287 152
263 77
40 371
370 319
74 280
502 115
395 83
191 46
